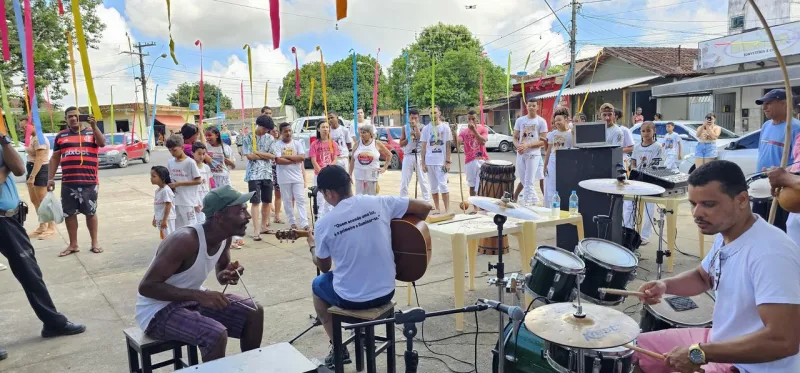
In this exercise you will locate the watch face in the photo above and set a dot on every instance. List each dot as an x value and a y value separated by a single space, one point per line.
696 356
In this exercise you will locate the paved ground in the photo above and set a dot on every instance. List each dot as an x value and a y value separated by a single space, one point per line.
99 289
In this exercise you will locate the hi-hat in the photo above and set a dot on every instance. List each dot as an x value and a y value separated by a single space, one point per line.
625 188
508 209
602 327
759 189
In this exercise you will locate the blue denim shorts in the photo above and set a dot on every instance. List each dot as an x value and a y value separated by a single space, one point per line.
705 150
323 288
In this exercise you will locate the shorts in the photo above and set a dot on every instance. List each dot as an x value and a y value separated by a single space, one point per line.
40 180
437 177
262 189
77 199
185 216
275 184
473 172
191 323
705 150
322 287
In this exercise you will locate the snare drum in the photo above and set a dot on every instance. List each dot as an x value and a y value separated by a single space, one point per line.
554 274
608 265
662 316
607 360
497 179
488 245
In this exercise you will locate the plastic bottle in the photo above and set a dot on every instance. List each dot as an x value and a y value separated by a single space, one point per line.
555 205
573 204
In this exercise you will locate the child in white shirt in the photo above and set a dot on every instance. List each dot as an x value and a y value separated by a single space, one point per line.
436 139
647 154
558 138
185 177
528 131
206 176
164 210
672 147
290 155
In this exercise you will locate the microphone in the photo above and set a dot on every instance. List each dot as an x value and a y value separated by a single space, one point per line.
513 312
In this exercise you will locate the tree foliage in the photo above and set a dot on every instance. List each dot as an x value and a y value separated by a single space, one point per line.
181 98
51 66
339 78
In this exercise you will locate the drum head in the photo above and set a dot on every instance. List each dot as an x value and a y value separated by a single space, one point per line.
759 189
497 162
560 259
698 317
608 253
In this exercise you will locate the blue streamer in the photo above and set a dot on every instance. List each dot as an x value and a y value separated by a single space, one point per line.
355 95
150 133
219 119
564 84
408 124
37 122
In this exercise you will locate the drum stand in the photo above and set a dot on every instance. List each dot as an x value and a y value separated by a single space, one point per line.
312 193
661 253
604 221
500 281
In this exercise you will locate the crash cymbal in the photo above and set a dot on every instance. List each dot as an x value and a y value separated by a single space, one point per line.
602 327
508 209
626 188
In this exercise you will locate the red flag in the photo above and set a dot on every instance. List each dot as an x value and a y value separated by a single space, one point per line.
275 19
202 113
4 31
296 74
60 8
539 83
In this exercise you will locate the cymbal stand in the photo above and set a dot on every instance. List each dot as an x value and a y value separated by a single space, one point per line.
500 220
312 193
661 253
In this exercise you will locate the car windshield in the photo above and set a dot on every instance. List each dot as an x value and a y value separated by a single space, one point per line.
394 131
118 139
724 134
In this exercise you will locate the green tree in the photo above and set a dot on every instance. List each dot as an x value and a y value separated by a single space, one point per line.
51 66
181 98
339 79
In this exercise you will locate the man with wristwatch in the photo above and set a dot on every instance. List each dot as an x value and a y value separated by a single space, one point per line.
16 247
754 270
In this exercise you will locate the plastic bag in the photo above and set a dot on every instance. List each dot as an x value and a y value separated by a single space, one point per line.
50 209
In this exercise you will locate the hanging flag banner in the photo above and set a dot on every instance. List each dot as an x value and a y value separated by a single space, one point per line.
113 128
296 74
87 70
50 106
26 47
341 9
7 109
189 112
250 71
566 81
545 66
508 94
522 82
586 97
355 95
275 20
4 32
408 123
60 8
480 89
151 133
201 97
71 47
171 42
375 89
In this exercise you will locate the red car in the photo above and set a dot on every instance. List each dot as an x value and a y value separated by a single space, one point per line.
121 149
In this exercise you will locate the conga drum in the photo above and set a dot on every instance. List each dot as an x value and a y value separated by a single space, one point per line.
488 246
497 178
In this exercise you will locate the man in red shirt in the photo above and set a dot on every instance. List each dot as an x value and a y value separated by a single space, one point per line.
75 149
474 138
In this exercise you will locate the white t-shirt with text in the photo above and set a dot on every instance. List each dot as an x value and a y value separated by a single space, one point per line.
558 140
671 142
292 173
163 196
205 187
342 136
185 170
648 156
615 136
356 235
530 130
436 141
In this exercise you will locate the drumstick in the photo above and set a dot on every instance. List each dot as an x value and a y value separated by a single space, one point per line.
652 354
621 292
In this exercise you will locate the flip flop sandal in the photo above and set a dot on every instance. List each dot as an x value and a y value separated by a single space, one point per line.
268 231
256 238
68 251
279 221
96 250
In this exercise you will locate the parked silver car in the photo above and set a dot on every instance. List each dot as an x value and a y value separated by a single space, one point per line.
687 130
742 151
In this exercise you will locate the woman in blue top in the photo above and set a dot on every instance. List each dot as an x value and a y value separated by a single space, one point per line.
706 149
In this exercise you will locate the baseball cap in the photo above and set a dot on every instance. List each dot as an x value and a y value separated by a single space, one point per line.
222 197
773 95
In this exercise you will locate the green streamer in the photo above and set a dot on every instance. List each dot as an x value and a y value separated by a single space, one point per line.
10 123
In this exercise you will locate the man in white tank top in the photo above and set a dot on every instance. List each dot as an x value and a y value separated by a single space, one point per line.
173 305
411 158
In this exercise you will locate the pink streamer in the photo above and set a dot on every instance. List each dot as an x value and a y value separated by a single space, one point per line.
4 31
60 8
201 96
539 83
375 88
296 74
275 19
29 57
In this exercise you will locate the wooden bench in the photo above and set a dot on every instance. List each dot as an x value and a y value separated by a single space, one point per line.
364 337
140 344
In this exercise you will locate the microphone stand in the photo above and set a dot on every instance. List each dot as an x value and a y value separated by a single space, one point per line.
312 193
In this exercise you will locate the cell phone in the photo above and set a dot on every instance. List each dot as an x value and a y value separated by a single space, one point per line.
83 118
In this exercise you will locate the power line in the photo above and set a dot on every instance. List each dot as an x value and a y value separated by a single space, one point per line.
521 28
554 13
649 8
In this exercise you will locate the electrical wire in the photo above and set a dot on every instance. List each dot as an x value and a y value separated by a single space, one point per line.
523 27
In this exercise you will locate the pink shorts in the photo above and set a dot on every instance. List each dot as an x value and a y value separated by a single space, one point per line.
664 341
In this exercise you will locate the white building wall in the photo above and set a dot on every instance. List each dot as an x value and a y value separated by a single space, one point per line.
674 108
776 12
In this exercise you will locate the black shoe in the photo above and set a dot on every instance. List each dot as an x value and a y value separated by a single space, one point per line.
68 329
329 359
3 353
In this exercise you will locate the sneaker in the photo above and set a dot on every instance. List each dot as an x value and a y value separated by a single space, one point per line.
68 329
645 242
329 359
3 353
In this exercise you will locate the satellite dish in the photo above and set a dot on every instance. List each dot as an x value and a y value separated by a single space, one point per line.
544 65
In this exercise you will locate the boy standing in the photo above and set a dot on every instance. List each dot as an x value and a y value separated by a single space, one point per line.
199 151
672 147
436 158
474 138
528 131
185 178
290 155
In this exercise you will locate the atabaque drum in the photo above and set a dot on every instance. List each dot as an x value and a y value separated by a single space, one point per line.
608 360
678 312
526 352
554 275
608 265
497 179
488 245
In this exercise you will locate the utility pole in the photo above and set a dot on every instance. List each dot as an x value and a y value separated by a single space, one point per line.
142 78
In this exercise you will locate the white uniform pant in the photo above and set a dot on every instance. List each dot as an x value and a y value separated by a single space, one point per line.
550 182
472 172
411 164
438 179
296 192
528 166
185 215
344 162
366 187
323 207
671 161
628 218
170 228
793 227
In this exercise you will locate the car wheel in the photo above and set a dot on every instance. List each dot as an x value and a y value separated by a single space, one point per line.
395 162
123 161
146 158
505 146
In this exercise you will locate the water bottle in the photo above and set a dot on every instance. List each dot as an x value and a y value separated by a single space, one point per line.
573 204
555 205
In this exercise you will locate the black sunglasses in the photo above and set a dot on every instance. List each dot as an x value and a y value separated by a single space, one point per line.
709 118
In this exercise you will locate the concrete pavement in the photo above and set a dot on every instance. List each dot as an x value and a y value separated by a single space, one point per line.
100 289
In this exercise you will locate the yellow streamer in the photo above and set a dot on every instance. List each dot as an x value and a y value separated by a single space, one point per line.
171 42
324 87
310 101
266 91
250 70
586 97
87 70
72 65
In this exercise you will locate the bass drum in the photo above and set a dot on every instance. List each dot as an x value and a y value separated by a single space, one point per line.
662 316
528 350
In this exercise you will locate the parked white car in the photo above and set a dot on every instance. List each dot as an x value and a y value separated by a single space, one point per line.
496 141
21 150
742 151
687 130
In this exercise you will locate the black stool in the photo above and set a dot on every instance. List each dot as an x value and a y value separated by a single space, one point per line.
364 337
140 344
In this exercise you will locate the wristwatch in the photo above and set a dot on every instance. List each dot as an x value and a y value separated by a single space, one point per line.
5 140
696 355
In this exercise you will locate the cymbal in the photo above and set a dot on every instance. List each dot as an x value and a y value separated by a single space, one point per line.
760 189
627 188
511 210
603 327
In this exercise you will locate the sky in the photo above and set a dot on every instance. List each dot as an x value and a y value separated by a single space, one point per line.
521 27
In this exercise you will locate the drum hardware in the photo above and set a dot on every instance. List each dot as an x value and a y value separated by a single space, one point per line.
515 314
661 253
621 292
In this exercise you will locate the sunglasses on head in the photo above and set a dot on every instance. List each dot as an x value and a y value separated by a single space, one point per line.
709 118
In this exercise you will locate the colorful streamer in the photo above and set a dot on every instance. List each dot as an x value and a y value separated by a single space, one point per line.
7 109
241 94
219 118
191 95
283 102
50 106
375 89
28 110
275 20
3 127
564 84
111 114
310 102
522 80
4 32
171 42
341 9
408 123
84 52
541 77
324 84
296 74
60 8
151 133
508 94
586 97
25 33
355 95
434 117
201 96
480 90
266 92
72 66
250 70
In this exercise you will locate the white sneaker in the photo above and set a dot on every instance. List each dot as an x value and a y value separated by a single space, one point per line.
3 267
645 241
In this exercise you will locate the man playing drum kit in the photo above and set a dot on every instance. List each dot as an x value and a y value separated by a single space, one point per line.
758 301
